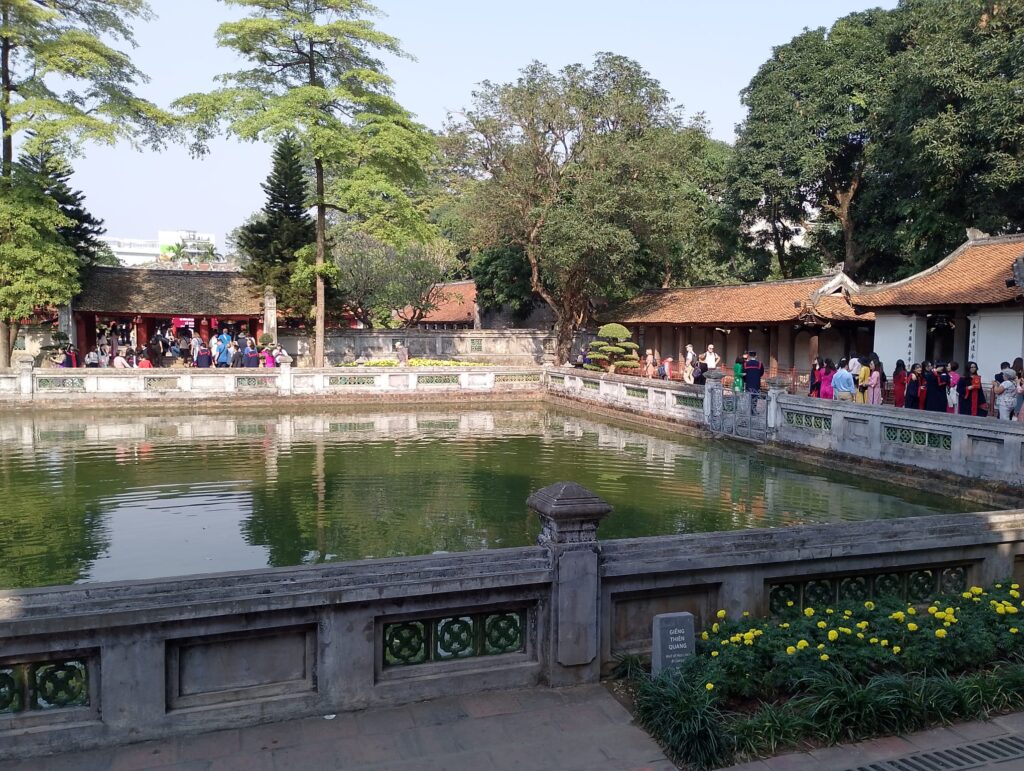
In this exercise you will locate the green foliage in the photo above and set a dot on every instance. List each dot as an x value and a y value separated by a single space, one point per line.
595 179
266 339
884 137
269 244
38 269
502 277
51 172
64 81
837 674
614 332
614 347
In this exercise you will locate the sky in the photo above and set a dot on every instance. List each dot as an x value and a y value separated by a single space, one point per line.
704 53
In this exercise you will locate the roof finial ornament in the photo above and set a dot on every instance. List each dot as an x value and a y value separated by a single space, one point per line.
973 234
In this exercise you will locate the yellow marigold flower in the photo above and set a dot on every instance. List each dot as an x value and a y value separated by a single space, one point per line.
789 603
999 586
941 616
821 646
950 611
976 590
801 644
703 635
885 643
833 635
940 633
976 599
1011 609
847 613
735 638
947 624
869 605
808 612
845 630
724 642
873 640
911 627
749 641
1000 610
784 626
1013 630
714 653
790 650
721 614
897 617
710 686
863 624
824 657
1015 586
860 635
746 613
714 627
829 611
966 595
896 649
911 611
933 610
822 625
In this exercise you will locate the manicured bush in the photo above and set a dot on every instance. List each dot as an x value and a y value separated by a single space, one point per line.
835 674
612 350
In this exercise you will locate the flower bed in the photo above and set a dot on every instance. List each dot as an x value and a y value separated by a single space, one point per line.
831 674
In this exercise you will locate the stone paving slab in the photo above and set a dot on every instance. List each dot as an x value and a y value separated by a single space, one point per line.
850 756
569 729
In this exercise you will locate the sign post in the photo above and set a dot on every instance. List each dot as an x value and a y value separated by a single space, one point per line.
673 640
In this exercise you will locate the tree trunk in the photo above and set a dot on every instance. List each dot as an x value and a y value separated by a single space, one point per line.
321 250
842 211
563 339
6 164
8 332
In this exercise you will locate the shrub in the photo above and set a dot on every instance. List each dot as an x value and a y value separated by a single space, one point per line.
266 339
833 674
613 349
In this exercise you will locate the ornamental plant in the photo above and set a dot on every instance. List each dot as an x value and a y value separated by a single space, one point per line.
845 672
613 349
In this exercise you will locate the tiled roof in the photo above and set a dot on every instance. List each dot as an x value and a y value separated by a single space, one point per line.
168 293
456 306
757 303
835 307
975 274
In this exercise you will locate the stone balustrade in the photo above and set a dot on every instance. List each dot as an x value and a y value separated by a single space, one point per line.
89 665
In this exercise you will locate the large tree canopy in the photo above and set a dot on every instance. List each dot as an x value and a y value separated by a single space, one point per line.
592 176
62 81
885 136
315 73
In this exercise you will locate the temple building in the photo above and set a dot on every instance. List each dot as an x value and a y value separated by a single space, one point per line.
138 303
965 308
787 322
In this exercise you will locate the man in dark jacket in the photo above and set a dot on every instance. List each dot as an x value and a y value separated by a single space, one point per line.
237 360
753 371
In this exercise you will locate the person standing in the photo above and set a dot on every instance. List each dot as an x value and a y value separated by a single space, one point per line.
842 383
753 371
710 358
92 359
954 390
863 379
690 358
738 374
912 395
1005 391
120 362
814 384
874 395
971 393
224 353
204 357
899 383
828 372
403 355
235 358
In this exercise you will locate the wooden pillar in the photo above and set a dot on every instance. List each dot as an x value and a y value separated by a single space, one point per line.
773 349
812 345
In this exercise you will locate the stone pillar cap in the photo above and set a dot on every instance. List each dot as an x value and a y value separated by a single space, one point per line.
714 374
568 500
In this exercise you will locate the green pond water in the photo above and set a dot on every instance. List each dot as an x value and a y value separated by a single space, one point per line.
111 496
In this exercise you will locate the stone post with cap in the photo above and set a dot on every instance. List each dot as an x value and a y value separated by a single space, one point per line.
713 396
777 386
569 515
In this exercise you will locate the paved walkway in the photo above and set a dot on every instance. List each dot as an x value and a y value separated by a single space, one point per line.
569 729
856 756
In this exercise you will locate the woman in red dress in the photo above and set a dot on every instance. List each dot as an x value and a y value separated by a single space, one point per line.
899 383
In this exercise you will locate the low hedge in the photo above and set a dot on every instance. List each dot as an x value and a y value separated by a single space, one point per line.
844 673
415 363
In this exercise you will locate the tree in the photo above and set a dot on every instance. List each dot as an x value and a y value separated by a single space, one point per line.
375 280
502 278
315 74
37 267
271 242
804 148
63 82
613 349
565 167
48 169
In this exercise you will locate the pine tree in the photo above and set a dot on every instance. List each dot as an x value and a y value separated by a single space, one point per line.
269 242
51 173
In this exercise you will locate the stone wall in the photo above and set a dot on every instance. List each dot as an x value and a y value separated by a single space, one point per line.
84 666
523 347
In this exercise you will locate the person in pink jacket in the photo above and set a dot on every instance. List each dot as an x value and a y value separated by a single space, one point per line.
874 384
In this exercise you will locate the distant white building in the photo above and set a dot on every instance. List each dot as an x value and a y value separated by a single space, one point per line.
134 252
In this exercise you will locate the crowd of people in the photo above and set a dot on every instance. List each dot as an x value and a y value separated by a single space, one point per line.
170 347
934 387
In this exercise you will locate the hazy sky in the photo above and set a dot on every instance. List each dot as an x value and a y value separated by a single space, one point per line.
702 52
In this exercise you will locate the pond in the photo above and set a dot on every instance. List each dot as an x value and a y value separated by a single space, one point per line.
114 496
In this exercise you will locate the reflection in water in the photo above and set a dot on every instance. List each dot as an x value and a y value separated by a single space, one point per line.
111 498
